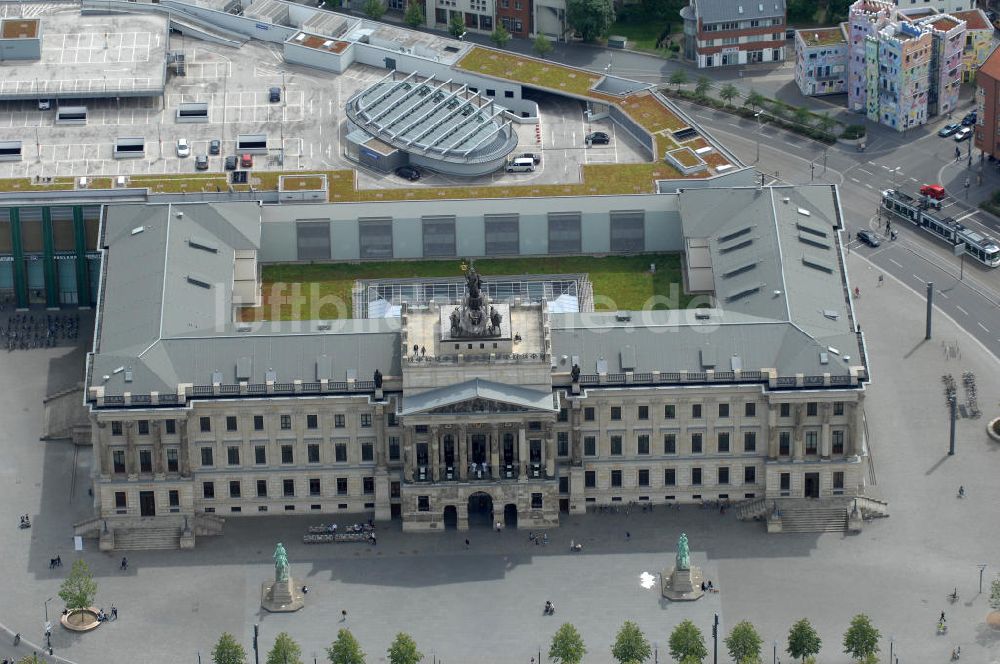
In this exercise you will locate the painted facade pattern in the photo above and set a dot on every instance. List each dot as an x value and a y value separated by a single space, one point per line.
821 68
948 35
865 19
978 46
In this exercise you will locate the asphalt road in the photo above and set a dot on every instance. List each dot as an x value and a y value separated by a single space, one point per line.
915 258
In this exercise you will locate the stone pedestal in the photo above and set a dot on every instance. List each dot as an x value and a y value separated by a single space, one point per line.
106 542
774 523
681 585
281 596
855 522
187 539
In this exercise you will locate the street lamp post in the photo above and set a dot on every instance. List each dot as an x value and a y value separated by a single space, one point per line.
757 117
892 643
982 568
46 604
774 660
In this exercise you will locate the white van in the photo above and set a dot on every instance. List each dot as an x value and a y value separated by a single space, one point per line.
521 165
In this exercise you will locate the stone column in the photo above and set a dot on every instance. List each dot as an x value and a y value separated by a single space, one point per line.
575 438
710 413
409 454
158 460
463 455
824 440
435 454
182 431
798 445
550 453
495 451
131 455
381 441
772 431
855 427
522 452
100 438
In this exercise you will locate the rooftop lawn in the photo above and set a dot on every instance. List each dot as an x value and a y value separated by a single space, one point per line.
180 183
527 70
648 111
620 282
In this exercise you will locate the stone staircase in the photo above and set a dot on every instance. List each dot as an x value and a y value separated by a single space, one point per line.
806 516
147 538
208 524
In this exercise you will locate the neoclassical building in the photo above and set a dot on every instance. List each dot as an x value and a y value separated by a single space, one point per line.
478 408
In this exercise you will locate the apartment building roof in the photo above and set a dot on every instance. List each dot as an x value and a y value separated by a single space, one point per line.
991 67
823 36
715 11
974 19
942 23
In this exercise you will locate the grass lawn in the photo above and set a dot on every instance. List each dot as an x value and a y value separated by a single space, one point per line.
642 35
626 280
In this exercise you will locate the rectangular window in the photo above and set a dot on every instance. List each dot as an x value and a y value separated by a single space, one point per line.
234 489
750 475
339 421
145 461
341 486
438 235
313 240
723 410
838 480
563 415
502 233
312 421
172 464
723 475
562 443
391 420
258 422
314 487
287 455
812 442
670 443
286 422
616 412
368 485
121 502
785 482
230 423
628 230
838 441
340 452
590 446
367 452
696 476
393 448
288 488
784 443
643 477
749 441
750 409
589 479
423 504
262 488
143 426
642 444
207 457
536 501
170 426
669 411
838 407
174 498
375 235
205 423
670 477
312 452
696 411
260 454
616 478
696 443
616 445
811 409
723 439
643 413
233 456
784 410
564 233
118 459
116 428
588 414
208 490
366 420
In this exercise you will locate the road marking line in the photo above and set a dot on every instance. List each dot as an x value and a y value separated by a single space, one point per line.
965 216
962 310
864 171
918 279
914 180
856 180
895 263
885 167
943 294
869 186
985 329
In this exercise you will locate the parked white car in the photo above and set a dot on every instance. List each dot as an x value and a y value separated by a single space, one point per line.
183 148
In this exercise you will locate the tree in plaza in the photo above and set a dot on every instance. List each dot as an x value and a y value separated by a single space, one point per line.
861 638
630 645
79 589
285 651
404 650
500 36
754 100
995 593
30 659
542 46
345 650
567 646
744 643
803 641
591 18
374 9
702 86
728 92
678 77
802 115
414 14
456 26
228 651
825 122
687 643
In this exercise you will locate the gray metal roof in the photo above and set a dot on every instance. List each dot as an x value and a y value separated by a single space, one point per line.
717 11
478 389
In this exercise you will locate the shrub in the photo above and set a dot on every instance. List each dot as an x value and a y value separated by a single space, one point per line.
853 131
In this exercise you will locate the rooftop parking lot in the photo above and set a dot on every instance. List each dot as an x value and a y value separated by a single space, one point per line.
304 129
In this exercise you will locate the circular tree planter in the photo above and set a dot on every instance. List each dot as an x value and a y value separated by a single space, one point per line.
993 619
80 620
993 429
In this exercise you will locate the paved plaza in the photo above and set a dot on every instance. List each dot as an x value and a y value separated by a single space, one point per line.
485 604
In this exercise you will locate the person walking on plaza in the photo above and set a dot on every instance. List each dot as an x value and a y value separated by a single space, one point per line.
466 545
343 615
881 278
114 612
124 567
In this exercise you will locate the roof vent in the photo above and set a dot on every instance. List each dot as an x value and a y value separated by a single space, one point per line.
804 212
760 7
198 281
128 375
824 358
271 376
324 325
204 245
243 327
776 293
785 199
300 37
138 229
623 316
832 350
118 370
180 214
740 9
216 377
831 314
602 365
702 314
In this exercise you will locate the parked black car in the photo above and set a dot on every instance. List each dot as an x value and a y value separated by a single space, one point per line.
598 138
969 119
231 162
408 173
869 238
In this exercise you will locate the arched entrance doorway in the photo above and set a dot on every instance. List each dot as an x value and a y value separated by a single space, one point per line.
510 515
450 517
480 510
